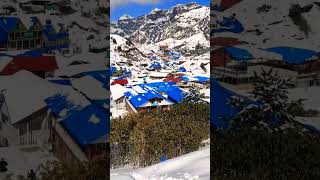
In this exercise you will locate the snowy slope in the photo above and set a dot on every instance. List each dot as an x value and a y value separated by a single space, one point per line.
275 26
122 49
195 165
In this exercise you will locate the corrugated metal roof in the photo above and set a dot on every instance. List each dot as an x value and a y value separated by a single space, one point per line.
88 125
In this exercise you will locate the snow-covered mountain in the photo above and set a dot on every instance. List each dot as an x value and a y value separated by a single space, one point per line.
270 23
186 27
122 49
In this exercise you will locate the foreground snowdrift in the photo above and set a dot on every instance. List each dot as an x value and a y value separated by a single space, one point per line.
195 165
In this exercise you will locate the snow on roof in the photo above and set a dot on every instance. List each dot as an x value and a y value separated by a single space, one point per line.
117 91
92 88
74 70
4 61
25 94
293 55
139 89
136 99
158 74
87 125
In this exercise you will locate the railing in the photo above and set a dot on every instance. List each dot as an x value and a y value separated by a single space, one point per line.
30 139
230 71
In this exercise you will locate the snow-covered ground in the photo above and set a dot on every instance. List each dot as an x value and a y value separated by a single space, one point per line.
192 166
25 93
21 161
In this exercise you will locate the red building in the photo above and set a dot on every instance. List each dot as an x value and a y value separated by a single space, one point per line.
219 57
226 4
173 79
42 66
224 41
120 81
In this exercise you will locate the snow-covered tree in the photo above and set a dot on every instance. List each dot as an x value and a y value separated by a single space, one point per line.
270 107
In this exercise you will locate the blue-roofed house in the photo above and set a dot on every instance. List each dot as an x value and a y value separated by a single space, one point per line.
54 40
11 31
144 97
79 130
15 35
89 128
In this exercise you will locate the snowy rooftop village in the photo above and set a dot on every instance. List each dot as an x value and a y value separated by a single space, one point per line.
160 79
153 64
53 82
246 40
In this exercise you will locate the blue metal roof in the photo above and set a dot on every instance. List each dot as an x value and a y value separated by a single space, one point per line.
62 82
159 84
202 79
53 47
150 93
155 65
3 35
101 103
229 24
136 100
101 76
219 104
32 53
184 78
176 94
54 36
51 35
59 103
292 55
82 130
112 70
238 54
182 69
7 25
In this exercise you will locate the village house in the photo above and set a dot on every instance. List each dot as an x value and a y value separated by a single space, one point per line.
158 75
14 34
73 144
117 95
29 121
53 38
79 136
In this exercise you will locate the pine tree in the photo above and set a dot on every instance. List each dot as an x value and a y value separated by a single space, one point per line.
271 108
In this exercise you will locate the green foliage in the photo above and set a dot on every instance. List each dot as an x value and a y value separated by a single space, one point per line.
118 73
259 155
142 139
93 170
194 96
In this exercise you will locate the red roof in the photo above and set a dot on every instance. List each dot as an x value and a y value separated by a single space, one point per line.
33 64
120 81
180 74
219 57
224 41
173 79
226 4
